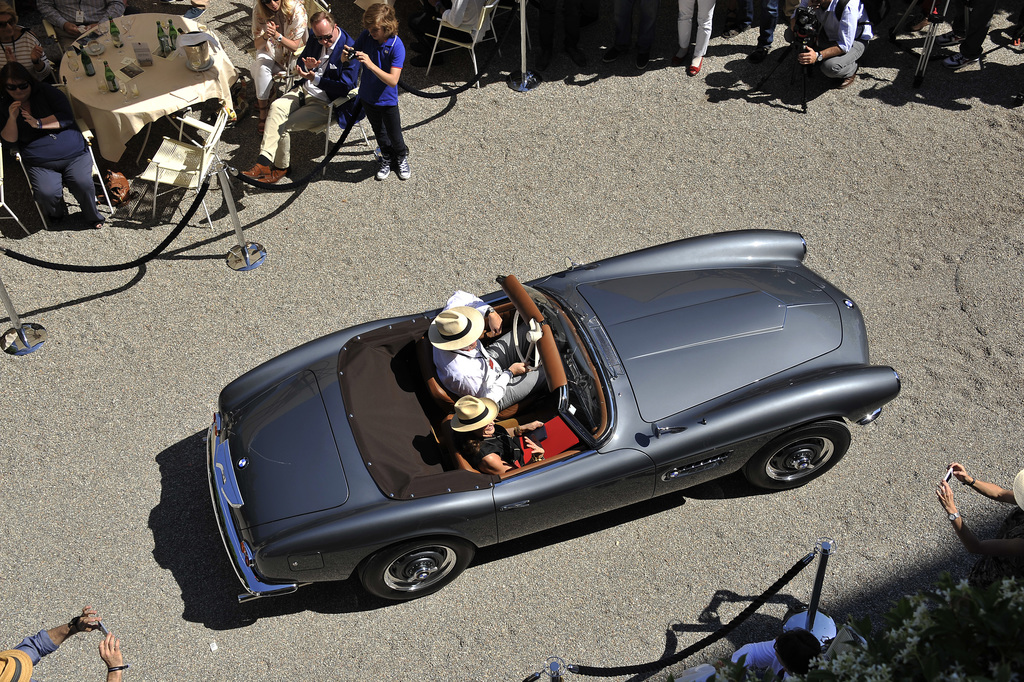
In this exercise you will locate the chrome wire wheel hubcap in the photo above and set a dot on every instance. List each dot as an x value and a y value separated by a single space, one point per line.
420 568
800 459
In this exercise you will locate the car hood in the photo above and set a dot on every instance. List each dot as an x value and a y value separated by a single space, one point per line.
688 337
285 458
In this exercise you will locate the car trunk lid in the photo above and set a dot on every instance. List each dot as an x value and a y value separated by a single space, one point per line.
284 455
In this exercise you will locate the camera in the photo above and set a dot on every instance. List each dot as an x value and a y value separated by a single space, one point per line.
805 26
350 51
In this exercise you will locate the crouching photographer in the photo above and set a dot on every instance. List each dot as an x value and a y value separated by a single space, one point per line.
832 33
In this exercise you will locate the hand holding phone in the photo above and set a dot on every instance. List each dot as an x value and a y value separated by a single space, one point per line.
949 475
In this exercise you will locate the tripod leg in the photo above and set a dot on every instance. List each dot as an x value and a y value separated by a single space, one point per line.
929 43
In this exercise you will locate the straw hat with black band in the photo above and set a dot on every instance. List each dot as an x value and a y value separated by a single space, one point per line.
456 328
472 413
15 666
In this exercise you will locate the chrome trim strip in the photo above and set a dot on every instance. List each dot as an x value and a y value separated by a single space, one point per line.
217 455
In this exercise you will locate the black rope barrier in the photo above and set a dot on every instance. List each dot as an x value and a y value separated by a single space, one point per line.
305 180
654 666
141 260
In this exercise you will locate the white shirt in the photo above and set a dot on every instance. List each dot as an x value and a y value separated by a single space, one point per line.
759 655
844 31
313 87
471 372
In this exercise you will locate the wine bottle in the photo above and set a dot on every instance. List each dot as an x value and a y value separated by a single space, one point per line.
172 34
109 75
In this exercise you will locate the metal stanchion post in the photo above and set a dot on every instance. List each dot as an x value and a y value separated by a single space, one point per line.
22 339
523 80
243 256
818 623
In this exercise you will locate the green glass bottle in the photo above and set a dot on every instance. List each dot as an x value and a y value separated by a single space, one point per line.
108 73
162 39
90 70
115 35
172 34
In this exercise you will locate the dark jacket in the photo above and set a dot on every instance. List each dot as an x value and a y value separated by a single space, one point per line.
340 77
40 146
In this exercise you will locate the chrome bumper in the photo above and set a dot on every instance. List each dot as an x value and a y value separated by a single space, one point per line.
225 496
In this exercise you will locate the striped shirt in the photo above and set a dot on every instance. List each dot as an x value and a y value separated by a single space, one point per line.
21 51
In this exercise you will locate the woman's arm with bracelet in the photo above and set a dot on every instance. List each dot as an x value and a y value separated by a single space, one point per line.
989 490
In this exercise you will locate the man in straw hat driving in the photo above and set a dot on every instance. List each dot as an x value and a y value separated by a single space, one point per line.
16 664
466 367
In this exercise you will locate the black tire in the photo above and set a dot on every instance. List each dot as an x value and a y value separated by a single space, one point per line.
416 568
798 456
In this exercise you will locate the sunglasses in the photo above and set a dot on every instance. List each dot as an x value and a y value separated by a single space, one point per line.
327 38
267 3
5 24
17 86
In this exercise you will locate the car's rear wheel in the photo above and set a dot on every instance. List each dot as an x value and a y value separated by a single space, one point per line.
416 568
798 456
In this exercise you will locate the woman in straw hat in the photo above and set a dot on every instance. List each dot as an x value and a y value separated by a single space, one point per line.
1004 555
488 447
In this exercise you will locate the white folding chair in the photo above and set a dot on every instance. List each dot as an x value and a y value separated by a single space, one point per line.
326 128
87 134
3 202
475 33
183 164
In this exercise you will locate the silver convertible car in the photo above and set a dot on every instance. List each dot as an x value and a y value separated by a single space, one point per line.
666 367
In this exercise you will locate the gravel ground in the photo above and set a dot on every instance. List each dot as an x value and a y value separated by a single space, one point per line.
909 200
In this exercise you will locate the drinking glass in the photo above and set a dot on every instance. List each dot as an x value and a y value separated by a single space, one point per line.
126 22
73 63
123 89
133 90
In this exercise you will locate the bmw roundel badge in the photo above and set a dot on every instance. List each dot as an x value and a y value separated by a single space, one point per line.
244 462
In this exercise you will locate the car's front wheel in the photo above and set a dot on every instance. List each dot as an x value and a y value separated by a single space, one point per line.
798 456
416 568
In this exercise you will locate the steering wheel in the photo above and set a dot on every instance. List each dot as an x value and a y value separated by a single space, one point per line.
544 348
533 336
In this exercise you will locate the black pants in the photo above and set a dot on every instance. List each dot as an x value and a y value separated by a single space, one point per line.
387 127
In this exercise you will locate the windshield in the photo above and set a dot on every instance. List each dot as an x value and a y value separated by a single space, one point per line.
584 402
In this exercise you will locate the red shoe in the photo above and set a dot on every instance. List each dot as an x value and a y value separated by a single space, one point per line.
694 68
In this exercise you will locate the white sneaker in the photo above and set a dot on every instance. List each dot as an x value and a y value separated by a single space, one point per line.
385 167
403 167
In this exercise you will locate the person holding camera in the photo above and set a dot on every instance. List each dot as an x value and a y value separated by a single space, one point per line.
325 77
1003 556
16 664
834 34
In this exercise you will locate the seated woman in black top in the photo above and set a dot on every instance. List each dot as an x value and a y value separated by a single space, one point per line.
488 447
38 119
